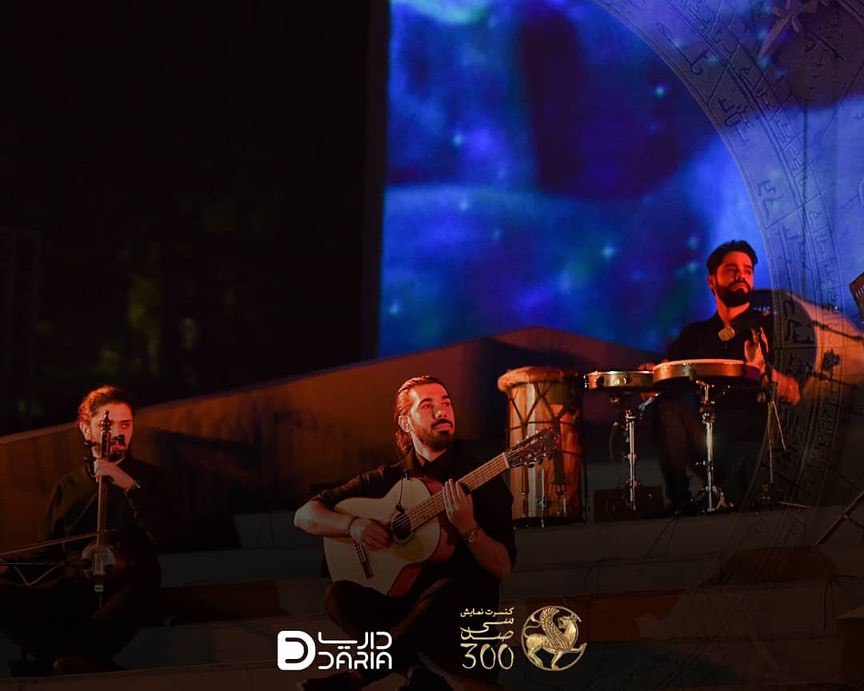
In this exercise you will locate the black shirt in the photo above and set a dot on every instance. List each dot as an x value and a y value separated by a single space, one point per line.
72 509
701 340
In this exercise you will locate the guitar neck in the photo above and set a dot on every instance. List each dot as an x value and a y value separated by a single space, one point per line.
428 509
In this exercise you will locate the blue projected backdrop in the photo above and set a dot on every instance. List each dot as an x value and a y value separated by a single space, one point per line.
545 167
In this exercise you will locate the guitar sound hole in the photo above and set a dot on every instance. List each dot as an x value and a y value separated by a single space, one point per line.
401 529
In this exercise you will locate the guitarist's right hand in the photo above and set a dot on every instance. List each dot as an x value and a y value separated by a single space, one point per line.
369 533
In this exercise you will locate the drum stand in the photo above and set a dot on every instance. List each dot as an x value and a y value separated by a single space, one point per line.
715 496
622 402
543 501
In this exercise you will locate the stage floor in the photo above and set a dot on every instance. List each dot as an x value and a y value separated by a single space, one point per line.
714 601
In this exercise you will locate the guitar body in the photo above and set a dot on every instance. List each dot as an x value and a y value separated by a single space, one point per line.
391 571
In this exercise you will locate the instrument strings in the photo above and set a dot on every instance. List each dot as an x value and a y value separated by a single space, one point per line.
432 506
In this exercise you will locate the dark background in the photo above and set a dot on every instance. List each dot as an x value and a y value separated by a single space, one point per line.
186 203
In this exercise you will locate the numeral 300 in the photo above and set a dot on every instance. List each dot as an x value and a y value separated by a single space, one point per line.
489 657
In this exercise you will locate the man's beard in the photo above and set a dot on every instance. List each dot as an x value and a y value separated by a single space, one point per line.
435 439
733 298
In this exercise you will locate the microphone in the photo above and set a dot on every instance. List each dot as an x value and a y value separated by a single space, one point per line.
743 324
644 404
727 333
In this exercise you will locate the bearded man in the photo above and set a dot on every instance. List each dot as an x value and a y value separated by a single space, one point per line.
736 331
426 617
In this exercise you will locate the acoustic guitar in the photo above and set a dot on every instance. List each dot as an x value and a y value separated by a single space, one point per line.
412 510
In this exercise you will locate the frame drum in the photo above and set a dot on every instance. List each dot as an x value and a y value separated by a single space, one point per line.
824 351
707 370
546 398
816 344
620 380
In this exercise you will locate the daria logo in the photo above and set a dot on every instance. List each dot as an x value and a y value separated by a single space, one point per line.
296 650
550 637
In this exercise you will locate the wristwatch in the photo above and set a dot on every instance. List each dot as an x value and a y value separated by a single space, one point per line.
471 536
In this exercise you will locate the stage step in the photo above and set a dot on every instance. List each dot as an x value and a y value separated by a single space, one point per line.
688 602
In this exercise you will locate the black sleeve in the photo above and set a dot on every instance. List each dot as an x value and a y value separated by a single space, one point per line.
373 484
493 511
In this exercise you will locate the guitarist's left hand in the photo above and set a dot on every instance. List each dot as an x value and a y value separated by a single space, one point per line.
459 506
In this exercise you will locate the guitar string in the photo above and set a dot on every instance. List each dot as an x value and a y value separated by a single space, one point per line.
432 506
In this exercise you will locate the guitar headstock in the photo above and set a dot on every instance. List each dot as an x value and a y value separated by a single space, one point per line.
532 450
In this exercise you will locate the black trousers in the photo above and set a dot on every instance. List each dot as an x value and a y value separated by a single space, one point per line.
65 618
426 620
679 437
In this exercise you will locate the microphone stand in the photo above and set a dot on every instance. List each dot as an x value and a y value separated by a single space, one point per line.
769 499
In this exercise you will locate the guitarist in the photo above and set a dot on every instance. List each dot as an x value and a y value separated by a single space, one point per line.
426 618
60 618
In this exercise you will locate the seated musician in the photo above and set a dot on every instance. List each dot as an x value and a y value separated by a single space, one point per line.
425 618
60 619
734 332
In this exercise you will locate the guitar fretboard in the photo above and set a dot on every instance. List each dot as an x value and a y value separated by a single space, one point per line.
427 509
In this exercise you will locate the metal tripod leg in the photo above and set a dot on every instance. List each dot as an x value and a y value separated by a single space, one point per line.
622 402
630 431
716 498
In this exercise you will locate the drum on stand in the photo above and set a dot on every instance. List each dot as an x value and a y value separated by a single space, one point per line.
546 398
713 371
622 386
712 377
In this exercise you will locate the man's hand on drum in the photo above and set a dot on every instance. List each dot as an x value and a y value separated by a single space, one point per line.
459 506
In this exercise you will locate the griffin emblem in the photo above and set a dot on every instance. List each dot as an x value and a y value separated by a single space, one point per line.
554 630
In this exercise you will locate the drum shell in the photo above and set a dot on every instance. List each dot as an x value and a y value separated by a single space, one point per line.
546 398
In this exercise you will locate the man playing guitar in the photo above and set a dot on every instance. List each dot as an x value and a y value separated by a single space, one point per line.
475 553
